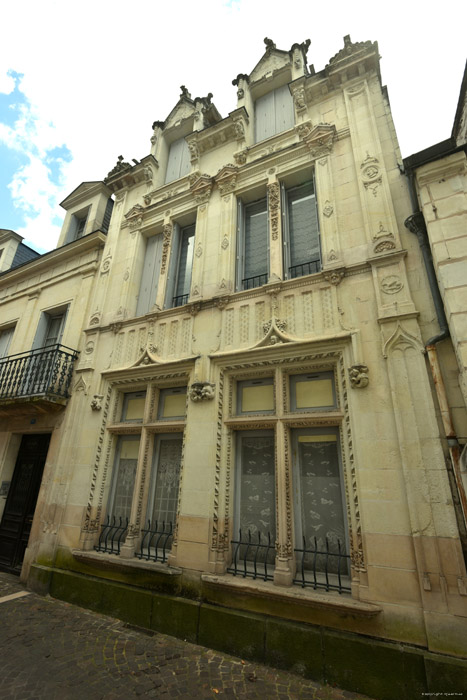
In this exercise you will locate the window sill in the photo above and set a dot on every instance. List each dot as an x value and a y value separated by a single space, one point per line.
104 561
306 598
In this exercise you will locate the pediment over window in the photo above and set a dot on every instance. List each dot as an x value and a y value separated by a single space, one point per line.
275 60
199 108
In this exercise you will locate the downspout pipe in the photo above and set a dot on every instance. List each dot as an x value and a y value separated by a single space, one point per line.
416 224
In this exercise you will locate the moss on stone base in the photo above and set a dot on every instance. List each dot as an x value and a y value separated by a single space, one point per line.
383 670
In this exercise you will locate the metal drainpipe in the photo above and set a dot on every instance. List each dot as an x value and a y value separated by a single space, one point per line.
416 224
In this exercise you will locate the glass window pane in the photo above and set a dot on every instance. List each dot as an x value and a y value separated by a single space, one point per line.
321 511
312 391
303 225
124 477
256 243
255 396
168 456
257 501
133 407
172 403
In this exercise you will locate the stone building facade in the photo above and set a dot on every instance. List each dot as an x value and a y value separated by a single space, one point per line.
252 452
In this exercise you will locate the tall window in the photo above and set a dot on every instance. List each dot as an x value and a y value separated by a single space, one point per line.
178 163
252 244
312 471
300 231
181 263
158 502
274 113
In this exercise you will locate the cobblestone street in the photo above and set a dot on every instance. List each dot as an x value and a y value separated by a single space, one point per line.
54 650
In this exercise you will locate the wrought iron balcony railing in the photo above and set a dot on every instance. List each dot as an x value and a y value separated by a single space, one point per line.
42 372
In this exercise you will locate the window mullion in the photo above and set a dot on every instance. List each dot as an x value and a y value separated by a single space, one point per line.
284 570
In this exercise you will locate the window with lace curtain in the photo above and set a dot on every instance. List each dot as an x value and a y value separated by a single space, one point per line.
149 423
311 470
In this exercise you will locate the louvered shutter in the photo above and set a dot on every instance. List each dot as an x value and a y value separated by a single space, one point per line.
264 117
150 276
185 261
5 339
283 108
174 161
184 158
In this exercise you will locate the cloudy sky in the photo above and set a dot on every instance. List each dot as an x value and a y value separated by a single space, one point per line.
81 83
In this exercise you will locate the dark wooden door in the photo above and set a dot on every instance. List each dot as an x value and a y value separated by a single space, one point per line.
15 527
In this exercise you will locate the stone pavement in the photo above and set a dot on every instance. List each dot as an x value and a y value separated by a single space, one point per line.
56 651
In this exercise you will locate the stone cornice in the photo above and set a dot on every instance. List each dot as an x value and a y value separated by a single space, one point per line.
55 257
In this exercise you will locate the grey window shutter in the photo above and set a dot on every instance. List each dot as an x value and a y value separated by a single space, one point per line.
283 107
5 340
185 264
174 161
172 268
264 116
256 244
184 158
41 331
150 276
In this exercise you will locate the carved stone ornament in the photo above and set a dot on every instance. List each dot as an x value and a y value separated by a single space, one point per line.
299 99
240 93
89 347
96 403
334 276
226 178
201 188
318 139
384 246
167 234
273 207
105 267
119 168
371 174
201 391
391 284
199 250
383 240
328 208
222 301
225 243
239 127
332 255
240 157
116 327
195 308
358 375
95 319
194 151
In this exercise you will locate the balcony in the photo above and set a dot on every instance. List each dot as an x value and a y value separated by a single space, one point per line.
36 381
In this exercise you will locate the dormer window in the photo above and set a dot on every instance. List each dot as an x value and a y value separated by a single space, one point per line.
78 225
274 113
178 163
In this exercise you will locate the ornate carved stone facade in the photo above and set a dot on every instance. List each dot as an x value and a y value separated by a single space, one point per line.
280 361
